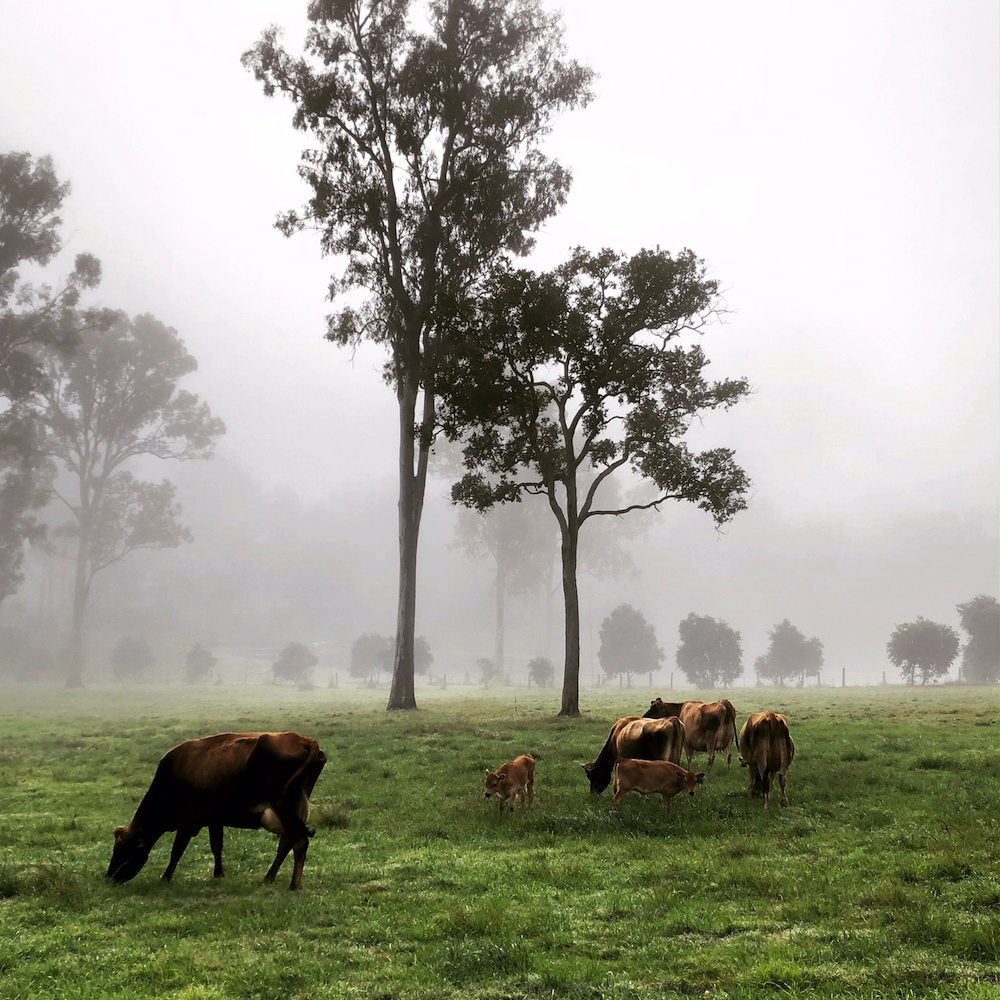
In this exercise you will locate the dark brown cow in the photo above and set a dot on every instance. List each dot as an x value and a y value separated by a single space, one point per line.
512 780
709 726
646 739
242 780
660 709
654 777
766 748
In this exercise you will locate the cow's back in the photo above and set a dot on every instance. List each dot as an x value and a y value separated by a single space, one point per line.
651 739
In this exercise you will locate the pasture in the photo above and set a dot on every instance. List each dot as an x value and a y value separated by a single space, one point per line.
878 881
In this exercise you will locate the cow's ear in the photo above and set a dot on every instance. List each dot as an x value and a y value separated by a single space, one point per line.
487 772
120 834
501 775
700 777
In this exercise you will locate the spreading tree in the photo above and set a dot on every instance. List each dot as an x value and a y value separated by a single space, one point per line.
131 655
198 663
295 663
564 378
710 652
980 619
541 671
114 400
31 319
371 654
428 123
789 655
923 649
628 644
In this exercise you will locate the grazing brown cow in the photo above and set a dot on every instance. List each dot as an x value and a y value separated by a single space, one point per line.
709 726
646 739
660 709
243 780
515 779
654 777
766 748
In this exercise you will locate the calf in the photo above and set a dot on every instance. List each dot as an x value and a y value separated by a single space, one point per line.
242 780
650 777
515 779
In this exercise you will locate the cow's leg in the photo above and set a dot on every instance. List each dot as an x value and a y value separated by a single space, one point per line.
784 797
285 843
181 840
768 784
531 792
666 801
215 840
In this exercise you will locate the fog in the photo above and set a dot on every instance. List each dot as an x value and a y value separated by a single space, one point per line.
835 165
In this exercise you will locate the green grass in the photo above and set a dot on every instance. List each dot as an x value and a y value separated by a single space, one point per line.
878 881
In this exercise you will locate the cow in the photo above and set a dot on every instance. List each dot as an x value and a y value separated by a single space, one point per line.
515 779
660 709
709 726
634 736
766 748
242 780
654 777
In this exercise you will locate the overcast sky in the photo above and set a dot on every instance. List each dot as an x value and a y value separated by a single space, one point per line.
835 164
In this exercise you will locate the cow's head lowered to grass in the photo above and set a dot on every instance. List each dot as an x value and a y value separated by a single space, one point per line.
130 853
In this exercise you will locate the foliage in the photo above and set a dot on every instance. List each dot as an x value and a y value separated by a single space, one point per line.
31 197
414 887
429 167
131 655
566 377
295 663
371 654
980 619
115 400
541 671
790 654
488 670
922 648
710 652
198 663
628 644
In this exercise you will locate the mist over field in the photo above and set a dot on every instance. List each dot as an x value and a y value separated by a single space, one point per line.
835 167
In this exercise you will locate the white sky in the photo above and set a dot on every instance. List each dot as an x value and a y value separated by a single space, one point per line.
835 164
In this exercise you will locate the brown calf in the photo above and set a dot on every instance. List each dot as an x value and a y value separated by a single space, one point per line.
649 777
515 779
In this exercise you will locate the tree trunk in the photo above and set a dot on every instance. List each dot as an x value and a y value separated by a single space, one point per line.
571 670
498 639
410 508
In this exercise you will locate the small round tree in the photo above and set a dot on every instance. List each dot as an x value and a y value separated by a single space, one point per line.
710 652
789 655
980 619
199 662
541 671
294 664
923 649
628 644
371 654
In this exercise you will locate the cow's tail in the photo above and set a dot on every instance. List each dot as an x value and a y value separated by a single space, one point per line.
299 786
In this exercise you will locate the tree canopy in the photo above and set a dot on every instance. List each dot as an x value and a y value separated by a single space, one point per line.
710 652
980 619
428 166
31 318
132 655
923 649
566 377
628 644
114 400
295 663
789 655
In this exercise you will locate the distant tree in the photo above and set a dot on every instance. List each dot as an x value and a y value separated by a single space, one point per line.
422 655
923 649
31 318
628 644
295 663
980 619
199 662
429 124
710 652
568 377
371 654
131 656
115 400
789 655
541 671
488 671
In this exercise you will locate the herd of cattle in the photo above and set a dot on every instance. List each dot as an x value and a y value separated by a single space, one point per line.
264 780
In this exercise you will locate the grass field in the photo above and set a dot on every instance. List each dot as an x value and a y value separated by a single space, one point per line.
878 881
